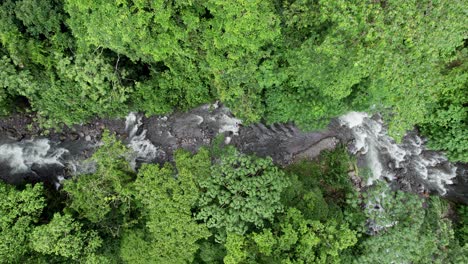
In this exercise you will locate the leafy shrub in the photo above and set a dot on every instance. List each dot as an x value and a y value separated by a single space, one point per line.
241 192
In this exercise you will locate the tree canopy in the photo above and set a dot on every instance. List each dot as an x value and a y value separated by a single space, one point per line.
300 61
220 206
303 61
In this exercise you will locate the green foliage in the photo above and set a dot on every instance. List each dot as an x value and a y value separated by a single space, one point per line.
293 60
319 187
64 236
303 61
306 197
330 171
87 86
319 69
219 149
204 47
107 186
155 216
235 247
11 38
141 30
407 231
241 192
12 83
152 100
384 207
447 125
167 202
311 241
293 239
159 33
135 248
461 230
312 205
19 211
237 41
402 59
366 55
39 17
211 253
62 85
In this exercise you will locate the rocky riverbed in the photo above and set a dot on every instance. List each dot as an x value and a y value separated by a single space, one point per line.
30 154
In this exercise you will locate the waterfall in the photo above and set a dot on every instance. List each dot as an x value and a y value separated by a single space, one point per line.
20 157
143 149
161 136
409 165
32 160
387 160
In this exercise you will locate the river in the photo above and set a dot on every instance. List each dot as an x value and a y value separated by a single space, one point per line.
410 166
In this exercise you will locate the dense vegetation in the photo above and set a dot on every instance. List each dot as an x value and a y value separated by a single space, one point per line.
301 61
276 60
219 205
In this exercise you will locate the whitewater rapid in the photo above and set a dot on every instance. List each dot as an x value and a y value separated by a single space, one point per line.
155 139
390 161
21 156
143 149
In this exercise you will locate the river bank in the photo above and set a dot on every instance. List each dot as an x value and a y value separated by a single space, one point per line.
29 153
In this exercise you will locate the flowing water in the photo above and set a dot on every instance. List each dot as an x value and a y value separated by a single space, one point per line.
408 165
22 156
408 161
143 149
30 159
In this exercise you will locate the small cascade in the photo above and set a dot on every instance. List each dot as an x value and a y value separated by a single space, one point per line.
59 181
375 208
21 156
81 166
408 161
228 124
144 150
408 166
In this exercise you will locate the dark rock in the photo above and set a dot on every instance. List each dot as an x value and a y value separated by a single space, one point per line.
285 143
73 136
13 134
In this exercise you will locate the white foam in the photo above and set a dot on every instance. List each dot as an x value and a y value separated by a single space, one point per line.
199 119
132 122
81 167
59 181
372 140
353 119
22 155
143 148
229 124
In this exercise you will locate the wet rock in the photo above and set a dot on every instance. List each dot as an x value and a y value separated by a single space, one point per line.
154 139
73 136
458 191
188 126
314 151
407 165
13 134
